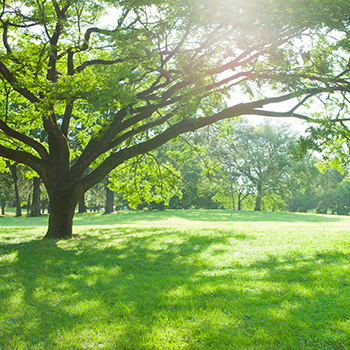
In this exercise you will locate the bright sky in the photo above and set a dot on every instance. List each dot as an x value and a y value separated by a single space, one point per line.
296 124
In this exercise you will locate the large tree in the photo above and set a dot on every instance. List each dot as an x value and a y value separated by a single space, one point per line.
124 85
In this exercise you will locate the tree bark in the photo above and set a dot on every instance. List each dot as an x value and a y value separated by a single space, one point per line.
82 206
13 168
232 193
28 205
62 209
258 197
109 201
35 209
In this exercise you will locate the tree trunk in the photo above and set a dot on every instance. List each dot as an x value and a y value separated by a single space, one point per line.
109 201
13 168
232 193
28 205
82 206
241 198
35 210
62 209
258 198
3 208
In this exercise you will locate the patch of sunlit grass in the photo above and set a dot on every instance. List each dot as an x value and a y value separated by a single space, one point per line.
178 280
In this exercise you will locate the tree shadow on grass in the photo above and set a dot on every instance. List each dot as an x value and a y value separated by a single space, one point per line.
158 289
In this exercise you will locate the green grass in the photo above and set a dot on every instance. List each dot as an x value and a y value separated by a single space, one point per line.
177 280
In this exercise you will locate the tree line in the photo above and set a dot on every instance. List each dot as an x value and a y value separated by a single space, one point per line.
233 165
237 165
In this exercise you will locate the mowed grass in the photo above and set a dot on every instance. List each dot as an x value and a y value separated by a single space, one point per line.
177 280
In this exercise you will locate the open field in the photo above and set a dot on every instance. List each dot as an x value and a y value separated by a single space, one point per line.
177 280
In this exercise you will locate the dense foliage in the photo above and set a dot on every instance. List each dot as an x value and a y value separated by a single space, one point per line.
83 94
238 166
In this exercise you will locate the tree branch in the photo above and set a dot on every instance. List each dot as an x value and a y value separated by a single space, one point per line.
16 85
279 114
5 37
179 128
67 117
97 62
249 108
131 133
25 139
24 158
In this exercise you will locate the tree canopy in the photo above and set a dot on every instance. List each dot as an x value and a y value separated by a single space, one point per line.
82 90
258 156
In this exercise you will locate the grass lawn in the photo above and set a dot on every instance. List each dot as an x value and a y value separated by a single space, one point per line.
177 280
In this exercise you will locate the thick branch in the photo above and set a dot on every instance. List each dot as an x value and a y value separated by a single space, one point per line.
25 139
52 72
96 144
87 37
67 117
173 131
12 80
141 129
288 114
5 37
61 17
250 108
24 158
120 157
102 143
97 62
61 14
58 143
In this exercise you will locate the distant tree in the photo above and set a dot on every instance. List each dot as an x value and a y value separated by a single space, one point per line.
343 197
14 175
329 196
6 190
81 205
109 207
258 156
192 156
300 193
230 189
35 207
